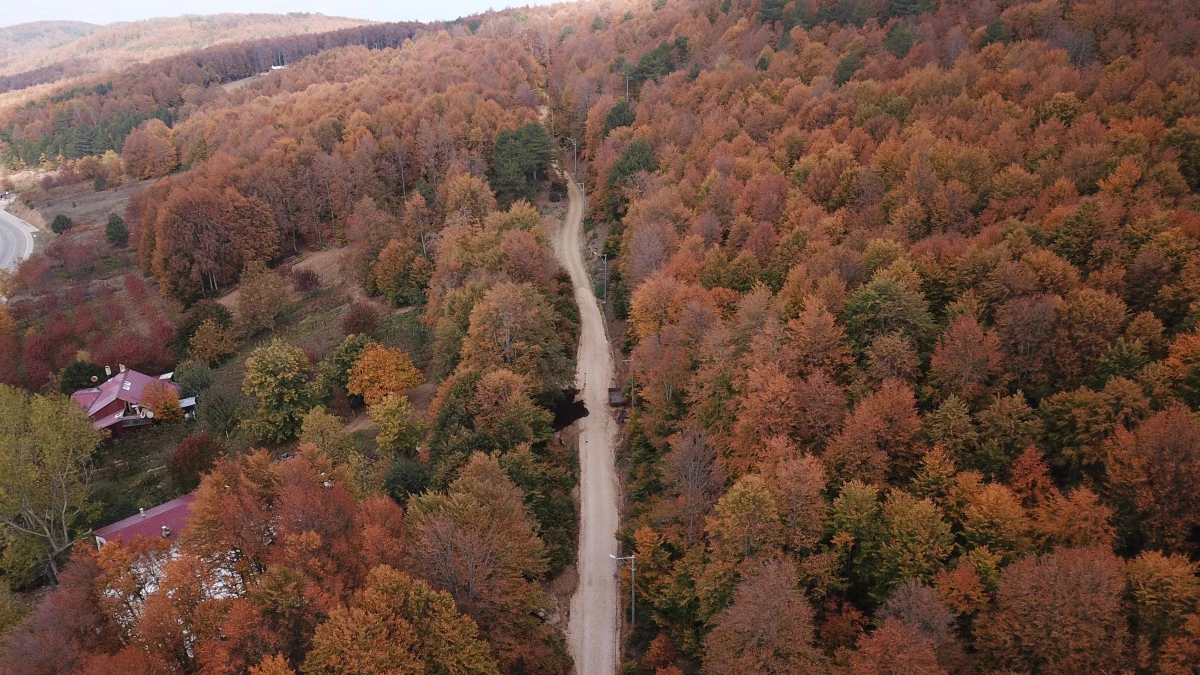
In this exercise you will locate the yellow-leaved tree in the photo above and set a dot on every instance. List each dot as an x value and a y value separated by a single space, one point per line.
380 371
211 342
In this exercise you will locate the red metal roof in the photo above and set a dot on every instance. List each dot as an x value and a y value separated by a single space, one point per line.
125 386
149 523
85 397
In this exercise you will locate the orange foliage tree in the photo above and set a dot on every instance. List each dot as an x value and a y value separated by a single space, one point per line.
163 400
381 371
149 151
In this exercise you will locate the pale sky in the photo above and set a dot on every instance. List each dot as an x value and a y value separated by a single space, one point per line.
108 11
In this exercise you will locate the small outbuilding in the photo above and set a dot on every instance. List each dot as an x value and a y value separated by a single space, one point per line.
616 396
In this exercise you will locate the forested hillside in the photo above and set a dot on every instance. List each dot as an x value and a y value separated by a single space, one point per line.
912 326
90 119
389 156
26 47
48 52
909 293
20 42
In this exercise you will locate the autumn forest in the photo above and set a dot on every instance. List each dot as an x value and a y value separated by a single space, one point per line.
903 295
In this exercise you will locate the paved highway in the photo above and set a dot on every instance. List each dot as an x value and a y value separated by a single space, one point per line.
16 240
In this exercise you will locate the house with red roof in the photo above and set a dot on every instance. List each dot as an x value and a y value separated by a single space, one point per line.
165 520
117 404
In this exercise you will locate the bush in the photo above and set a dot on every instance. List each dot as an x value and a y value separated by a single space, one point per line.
361 319
194 456
220 410
211 343
79 375
305 281
200 312
996 32
163 400
263 296
116 231
12 609
522 157
620 115
60 224
558 189
901 37
406 477
846 68
193 377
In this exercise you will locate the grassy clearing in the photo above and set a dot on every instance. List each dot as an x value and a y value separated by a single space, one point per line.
133 473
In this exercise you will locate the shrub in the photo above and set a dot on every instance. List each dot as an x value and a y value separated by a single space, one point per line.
220 409
211 343
620 115
163 400
361 319
78 375
305 281
60 224
194 456
901 37
406 477
116 231
846 68
193 377
200 312
263 296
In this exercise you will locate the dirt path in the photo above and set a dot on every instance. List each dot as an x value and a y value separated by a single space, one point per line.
593 627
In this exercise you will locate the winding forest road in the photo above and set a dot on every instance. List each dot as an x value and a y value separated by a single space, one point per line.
593 632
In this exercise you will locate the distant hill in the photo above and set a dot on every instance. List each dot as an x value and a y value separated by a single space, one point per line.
60 49
25 42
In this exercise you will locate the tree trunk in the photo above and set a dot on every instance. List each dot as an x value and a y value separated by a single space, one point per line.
53 567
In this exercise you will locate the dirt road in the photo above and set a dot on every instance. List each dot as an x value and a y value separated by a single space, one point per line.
593 631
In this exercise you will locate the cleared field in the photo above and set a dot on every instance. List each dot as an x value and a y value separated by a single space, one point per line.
83 204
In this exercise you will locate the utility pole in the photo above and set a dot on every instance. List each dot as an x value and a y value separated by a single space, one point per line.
632 385
604 256
605 279
575 147
632 559
626 87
